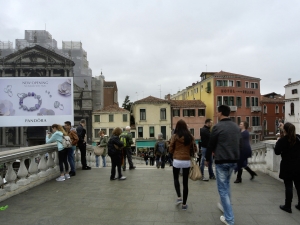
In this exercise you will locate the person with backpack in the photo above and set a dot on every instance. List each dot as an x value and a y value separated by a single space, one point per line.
81 133
74 140
160 151
58 133
126 138
151 157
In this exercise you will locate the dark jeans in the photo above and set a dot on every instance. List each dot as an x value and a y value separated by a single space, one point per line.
127 152
152 161
82 148
63 160
240 172
71 158
289 190
185 179
116 161
162 161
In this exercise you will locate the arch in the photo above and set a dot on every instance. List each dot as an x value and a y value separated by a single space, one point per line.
292 108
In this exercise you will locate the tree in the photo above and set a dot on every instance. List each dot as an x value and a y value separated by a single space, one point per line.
127 104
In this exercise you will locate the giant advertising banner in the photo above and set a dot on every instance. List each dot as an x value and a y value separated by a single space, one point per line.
35 101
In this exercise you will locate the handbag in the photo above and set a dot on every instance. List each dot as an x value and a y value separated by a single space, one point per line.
98 150
195 173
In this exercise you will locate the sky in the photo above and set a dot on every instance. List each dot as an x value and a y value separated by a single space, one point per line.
157 47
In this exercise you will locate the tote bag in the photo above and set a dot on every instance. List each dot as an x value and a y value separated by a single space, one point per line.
195 173
98 150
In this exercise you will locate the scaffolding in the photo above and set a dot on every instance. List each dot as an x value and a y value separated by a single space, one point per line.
6 48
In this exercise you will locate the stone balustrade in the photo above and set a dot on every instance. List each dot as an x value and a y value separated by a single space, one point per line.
43 166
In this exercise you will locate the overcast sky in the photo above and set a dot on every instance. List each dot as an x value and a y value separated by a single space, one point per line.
153 45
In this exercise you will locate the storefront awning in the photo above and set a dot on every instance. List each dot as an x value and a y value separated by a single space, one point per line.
145 144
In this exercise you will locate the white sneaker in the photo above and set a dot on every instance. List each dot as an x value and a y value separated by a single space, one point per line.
204 179
220 207
222 218
67 176
61 178
122 178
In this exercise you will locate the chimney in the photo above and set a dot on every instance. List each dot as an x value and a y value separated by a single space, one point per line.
289 80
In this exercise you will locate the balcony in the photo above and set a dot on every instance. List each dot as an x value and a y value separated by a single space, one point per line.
233 108
256 128
255 108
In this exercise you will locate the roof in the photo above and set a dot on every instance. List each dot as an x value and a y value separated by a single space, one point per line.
151 99
112 108
294 83
109 84
187 103
276 99
223 74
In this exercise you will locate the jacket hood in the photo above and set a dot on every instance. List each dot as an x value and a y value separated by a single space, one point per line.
179 139
58 133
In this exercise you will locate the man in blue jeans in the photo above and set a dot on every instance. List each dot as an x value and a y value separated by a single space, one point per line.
205 135
225 140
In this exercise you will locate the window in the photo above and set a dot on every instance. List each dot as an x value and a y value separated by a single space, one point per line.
231 101
276 109
111 118
151 132
96 131
142 114
238 83
232 119
219 83
140 132
230 83
238 101
292 109
248 120
294 91
125 118
225 83
176 112
189 112
254 101
96 118
256 85
252 85
110 132
163 130
208 87
225 100
238 120
246 84
163 114
201 112
247 101
255 121
283 109
192 131
219 100
265 109
133 134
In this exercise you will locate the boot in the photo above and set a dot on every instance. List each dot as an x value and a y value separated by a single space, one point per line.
238 181
252 173
286 207
239 176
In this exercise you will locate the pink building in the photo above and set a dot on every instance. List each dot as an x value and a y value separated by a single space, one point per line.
191 111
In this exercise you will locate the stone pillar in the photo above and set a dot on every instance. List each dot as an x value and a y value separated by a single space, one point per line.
17 136
16 73
3 135
65 73
21 136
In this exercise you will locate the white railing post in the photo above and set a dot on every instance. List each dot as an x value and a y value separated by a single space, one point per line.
11 177
22 173
2 191
50 163
56 161
33 169
42 166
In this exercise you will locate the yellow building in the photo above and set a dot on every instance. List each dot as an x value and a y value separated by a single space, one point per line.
109 118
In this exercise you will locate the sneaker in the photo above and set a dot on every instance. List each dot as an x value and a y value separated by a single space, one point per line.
122 178
220 207
61 178
213 177
179 201
184 207
113 178
204 179
67 176
222 218
132 168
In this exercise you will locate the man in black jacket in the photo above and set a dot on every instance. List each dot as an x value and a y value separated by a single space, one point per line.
205 135
81 133
224 141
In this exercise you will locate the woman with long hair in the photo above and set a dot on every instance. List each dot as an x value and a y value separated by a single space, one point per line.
182 146
57 135
102 143
289 148
115 146
245 153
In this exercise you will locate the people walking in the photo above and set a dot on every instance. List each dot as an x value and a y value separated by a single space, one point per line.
245 153
57 136
146 158
160 151
81 133
115 146
289 148
151 157
127 152
205 135
181 144
74 138
102 143
225 143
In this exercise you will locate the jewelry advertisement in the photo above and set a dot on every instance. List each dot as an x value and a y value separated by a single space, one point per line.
36 101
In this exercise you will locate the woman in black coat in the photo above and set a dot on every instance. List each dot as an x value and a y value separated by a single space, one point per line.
245 153
289 149
115 146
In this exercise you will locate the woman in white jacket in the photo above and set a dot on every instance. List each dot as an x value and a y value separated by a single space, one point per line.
57 135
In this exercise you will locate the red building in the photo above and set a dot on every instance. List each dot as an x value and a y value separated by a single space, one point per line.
272 111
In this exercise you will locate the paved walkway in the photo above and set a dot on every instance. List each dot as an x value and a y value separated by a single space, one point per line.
147 197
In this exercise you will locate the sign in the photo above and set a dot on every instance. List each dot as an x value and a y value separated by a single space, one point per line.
36 101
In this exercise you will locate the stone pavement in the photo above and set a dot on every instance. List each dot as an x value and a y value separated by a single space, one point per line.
147 197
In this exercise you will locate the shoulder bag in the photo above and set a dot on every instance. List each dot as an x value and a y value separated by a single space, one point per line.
195 173
98 150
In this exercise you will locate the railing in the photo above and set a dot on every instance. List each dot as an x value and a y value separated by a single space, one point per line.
255 108
43 166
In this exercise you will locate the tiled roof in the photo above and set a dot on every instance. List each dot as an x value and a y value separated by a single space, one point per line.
233 75
112 108
151 99
290 84
276 99
187 103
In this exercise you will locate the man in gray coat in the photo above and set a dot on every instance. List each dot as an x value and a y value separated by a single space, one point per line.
225 142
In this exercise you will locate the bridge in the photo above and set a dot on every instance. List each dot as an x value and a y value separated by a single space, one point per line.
146 197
